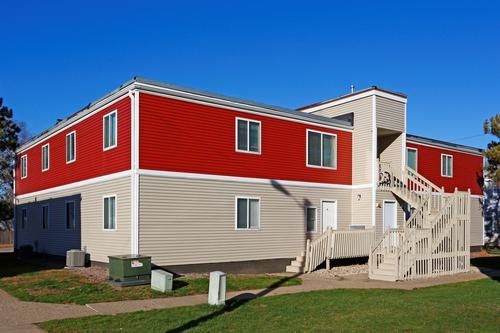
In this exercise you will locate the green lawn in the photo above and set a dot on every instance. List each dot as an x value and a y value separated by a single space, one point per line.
40 284
462 307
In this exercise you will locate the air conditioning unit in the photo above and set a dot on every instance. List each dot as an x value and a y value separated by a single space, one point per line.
75 258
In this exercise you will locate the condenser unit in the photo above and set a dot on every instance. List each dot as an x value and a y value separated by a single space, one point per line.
75 258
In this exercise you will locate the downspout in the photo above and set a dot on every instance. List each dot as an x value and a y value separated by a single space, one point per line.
134 193
14 221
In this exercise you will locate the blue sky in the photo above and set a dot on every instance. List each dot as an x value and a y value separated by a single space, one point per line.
59 56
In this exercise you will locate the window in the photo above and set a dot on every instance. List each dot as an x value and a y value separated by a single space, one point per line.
70 215
71 147
110 130
45 157
321 150
311 219
24 218
411 158
247 136
45 217
446 165
247 213
110 213
24 166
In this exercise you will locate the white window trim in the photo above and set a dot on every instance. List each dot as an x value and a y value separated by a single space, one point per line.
104 148
74 147
66 215
395 212
336 213
321 150
248 213
116 213
451 161
48 157
48 216
315 231
416 157
24 211
248 136
25 158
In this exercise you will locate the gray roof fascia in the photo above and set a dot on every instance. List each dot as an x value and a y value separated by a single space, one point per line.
443 144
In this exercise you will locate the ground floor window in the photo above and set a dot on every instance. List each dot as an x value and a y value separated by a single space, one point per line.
109 212
70 215
247 213
45 217
311 219
24 218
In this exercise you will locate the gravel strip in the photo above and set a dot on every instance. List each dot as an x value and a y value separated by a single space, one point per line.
341 271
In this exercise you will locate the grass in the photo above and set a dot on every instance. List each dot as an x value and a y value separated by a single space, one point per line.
494 250
461 307
39 284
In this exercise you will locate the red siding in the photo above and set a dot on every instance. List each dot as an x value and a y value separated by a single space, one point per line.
188 137
467 168
91 160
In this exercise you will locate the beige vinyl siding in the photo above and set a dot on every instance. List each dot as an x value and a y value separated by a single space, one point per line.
392 152
361 207
187 221
390 114
100 243
476 222
379 211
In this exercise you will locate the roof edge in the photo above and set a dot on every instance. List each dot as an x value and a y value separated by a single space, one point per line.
443 144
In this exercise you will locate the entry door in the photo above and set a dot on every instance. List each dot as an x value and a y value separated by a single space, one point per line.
390 218
329 214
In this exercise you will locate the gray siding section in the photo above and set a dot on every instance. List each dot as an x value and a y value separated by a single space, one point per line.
391 147
187 221
476 222
100 243
390 114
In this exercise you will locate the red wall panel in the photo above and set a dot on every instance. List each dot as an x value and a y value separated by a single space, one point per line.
188 137
467 168
91 160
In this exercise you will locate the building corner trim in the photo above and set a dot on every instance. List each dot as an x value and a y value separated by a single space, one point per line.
134 159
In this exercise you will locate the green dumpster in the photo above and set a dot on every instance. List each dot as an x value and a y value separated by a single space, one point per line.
130 269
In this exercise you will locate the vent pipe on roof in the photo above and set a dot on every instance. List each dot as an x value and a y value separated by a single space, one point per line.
352 88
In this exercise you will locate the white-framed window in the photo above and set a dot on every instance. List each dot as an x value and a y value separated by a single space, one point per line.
71 147
24 218
45 216
110 130
446 165
248 136
24 166
311 218
321 150
412 158
45 157
247 211
70 215
109 212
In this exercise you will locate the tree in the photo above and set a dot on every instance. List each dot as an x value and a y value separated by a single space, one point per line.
492 126
8 144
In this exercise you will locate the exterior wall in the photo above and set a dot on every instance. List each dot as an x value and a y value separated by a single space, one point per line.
188 221
467 168
183 136
477 222
392 152
390 114
57 239
379 212
91 160
99 242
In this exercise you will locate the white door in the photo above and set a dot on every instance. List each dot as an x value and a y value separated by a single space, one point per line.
390 217
329 214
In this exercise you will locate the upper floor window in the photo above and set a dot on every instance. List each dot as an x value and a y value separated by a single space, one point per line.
446 165
247 136
71 147
411 158
321 149
247 213
45 217
24 218
109 131
24 166
45 157
109 212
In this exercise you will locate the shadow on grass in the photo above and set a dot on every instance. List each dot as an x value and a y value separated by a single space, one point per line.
231 305
489 266
13 266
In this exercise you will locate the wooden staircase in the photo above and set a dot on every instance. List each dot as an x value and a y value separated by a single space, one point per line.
433 241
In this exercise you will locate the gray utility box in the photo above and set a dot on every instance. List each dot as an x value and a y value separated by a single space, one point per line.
75 258
161 280
130 269
217 288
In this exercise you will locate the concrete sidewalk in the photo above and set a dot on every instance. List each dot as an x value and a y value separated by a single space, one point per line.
18 316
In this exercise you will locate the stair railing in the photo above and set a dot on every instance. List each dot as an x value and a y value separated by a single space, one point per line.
318 250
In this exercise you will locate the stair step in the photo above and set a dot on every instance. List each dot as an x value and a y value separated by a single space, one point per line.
299 259
296 263
382 277
294 269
